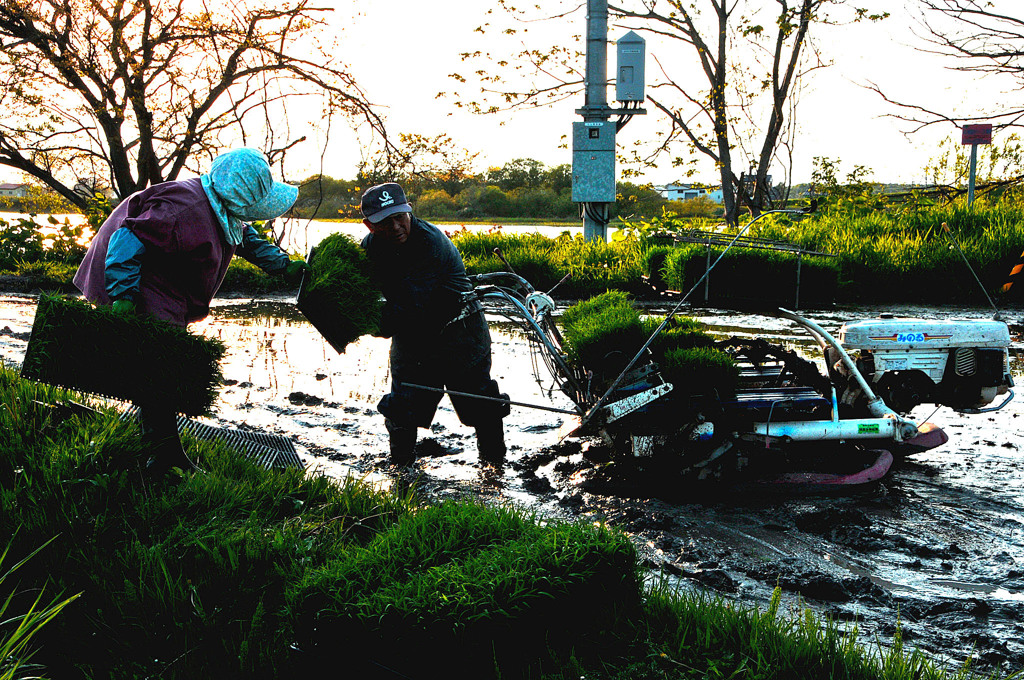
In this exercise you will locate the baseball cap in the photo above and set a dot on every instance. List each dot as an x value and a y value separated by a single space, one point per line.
383 201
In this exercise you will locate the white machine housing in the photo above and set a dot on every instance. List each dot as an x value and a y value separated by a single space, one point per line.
965 361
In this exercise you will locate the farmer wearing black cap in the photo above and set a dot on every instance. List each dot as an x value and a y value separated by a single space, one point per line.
439 336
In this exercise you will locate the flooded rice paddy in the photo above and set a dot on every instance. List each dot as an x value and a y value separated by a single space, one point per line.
937 547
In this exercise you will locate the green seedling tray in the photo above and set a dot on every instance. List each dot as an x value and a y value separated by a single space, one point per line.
126 357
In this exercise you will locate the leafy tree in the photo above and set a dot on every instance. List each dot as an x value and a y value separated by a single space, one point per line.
519 173
752 55
130 94
559 178
634 200
484 201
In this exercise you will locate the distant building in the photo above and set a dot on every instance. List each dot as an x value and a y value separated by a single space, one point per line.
684 192
14 190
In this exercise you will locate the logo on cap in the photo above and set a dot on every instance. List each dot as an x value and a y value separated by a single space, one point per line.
385 198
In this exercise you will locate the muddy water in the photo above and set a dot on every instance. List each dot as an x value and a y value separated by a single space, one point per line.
938 545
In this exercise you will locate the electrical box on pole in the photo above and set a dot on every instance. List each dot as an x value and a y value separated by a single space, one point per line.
593 161
629 72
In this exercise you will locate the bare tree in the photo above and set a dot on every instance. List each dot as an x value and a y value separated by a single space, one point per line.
134 92
979 39
751 58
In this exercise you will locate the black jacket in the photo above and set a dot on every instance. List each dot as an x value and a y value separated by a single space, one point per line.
424 281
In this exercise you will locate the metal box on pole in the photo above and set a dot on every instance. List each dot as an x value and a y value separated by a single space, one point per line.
593 161
629 68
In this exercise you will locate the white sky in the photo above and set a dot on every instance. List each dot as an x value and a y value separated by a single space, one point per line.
404 50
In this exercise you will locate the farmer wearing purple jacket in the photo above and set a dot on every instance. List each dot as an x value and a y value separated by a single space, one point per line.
164 252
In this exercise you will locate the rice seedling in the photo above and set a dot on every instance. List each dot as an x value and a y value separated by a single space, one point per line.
603 334
339 296
129 357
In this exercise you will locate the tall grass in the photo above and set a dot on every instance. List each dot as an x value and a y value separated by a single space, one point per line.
593 267
902 253
238 572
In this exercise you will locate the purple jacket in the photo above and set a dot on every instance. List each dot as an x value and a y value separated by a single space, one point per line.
178 257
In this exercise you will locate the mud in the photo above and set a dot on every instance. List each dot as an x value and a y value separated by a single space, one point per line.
937 547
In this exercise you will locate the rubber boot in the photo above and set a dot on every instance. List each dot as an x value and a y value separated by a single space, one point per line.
490 443
403 443
160 436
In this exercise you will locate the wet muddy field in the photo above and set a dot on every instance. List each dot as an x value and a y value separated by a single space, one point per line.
936 547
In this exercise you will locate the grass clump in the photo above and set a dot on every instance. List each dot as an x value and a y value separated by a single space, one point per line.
593 266
244 572
339 296
604 333
459 580
129 357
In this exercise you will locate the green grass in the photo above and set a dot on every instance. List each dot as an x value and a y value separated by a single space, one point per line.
900 252
602 334
592 267
243 572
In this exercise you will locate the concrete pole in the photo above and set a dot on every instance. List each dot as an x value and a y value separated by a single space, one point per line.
597 59
596 101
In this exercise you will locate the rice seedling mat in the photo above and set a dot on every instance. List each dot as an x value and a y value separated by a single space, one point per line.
126 357
337 294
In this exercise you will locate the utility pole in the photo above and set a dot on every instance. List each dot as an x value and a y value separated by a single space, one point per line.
593 139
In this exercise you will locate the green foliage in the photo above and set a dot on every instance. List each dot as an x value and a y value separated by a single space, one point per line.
459 580
227 574
901 253
244 572
996 162
696 635
19 628
760 276
592 266
245 276
97 210
25 241
340 296
129 357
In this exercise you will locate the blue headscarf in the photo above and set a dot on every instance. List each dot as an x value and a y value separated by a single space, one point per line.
241 189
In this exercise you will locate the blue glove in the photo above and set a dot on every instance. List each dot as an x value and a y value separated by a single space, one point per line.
126 307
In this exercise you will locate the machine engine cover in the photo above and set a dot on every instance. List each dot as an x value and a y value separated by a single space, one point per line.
965 360
923 334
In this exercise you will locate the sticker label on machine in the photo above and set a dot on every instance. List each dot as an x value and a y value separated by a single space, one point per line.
867 428
900 364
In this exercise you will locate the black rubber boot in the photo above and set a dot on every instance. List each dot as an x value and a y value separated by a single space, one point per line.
403 443
490 443
160 436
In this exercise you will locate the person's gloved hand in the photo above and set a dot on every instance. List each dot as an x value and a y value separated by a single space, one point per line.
293 270
123 307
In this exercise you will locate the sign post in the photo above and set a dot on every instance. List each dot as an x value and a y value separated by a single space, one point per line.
974 135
